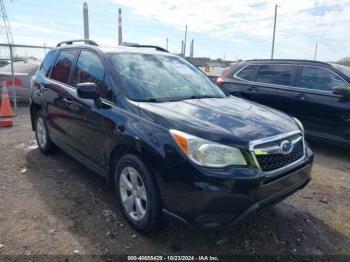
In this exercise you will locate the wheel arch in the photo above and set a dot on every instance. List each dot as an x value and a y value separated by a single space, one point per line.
136 148
34 109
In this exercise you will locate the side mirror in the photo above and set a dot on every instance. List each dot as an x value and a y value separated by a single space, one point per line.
89 90
341 90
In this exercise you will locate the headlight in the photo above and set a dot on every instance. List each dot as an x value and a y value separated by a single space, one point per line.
207 153
300 125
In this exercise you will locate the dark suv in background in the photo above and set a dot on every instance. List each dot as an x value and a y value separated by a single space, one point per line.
316 93
167 138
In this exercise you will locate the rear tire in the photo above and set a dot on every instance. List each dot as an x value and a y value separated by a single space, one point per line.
137 194
42 135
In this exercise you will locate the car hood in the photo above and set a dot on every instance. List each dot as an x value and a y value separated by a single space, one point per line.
232 121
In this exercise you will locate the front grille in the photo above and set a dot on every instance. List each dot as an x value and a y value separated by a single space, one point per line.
275 161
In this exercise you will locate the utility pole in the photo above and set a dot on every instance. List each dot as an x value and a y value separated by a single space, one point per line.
185 42
191 48
315 51
120 31
167 42
182 47
274 32
86 20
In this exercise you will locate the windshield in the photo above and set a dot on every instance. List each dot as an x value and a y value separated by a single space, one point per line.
344 69
148 77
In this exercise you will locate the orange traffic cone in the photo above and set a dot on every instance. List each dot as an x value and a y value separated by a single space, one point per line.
6 110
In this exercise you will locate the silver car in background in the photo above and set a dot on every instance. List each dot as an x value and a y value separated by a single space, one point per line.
23 71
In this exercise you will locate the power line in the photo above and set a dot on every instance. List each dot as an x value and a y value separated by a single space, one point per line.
110 20
7 34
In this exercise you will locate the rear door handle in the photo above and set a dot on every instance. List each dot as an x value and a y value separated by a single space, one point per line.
68 101
301 96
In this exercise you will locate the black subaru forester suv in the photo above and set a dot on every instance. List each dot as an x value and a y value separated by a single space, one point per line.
164 136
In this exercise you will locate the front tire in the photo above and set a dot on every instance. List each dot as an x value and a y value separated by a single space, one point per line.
137 193
42 136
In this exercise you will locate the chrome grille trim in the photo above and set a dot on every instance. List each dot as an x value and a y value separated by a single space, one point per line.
273 150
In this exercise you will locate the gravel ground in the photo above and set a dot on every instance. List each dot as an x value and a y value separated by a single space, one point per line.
52 205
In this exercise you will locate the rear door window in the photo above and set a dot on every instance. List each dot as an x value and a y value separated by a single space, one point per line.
248 73
276 74
319 79
48 62
61 70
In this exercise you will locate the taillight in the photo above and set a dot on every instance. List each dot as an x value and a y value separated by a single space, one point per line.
17 82
219 81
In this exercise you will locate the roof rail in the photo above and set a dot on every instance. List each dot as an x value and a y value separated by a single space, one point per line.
158 48
285 60
70 42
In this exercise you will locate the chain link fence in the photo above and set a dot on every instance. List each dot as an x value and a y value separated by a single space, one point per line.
18 63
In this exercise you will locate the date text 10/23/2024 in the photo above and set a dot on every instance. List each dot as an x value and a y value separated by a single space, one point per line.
173 258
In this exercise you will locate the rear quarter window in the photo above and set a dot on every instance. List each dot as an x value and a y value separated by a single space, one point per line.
248 73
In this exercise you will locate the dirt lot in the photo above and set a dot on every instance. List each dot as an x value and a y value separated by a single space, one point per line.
53 205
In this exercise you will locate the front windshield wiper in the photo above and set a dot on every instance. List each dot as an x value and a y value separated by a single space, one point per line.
174 99
150 99
162 99
201 97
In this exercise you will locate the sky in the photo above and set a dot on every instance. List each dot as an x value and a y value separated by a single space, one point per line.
229 29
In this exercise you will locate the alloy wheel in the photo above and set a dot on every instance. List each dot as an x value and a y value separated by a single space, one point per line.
41 132
133 193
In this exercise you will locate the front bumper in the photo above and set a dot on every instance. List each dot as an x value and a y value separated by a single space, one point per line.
211 200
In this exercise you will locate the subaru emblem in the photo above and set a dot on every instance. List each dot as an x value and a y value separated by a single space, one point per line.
286 147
